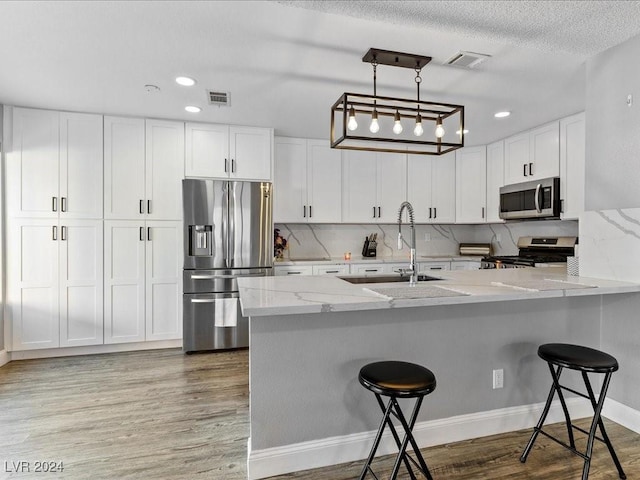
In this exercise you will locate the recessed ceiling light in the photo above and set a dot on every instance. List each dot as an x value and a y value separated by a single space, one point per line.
502 114
185 81
192 109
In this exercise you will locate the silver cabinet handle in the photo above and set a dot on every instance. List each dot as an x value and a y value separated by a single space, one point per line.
148 206
374 212
233 166
54 204
482 212
435 212
531 169
142 234
63 204
370 269
304 211
430 212
379 214
524 169
225 165
332 271
537 198
54 233
203 300
310 213
294 273
63 235
149 233
141 209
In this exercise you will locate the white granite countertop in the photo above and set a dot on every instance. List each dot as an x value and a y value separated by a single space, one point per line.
359 259
263 296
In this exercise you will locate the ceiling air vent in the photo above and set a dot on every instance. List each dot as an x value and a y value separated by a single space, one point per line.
467 59
222 99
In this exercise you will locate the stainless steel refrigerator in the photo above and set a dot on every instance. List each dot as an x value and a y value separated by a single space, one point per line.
228 233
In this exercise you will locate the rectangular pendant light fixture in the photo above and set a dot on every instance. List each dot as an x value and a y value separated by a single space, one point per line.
388 124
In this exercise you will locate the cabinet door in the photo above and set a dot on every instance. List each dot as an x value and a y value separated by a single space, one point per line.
281 271
367 269
81 165
419 191
516 159
250 153
495 180
435 266
124 168
290 181
32 164
207 150
163 298
443 188
81 283
324 182
572 165
545 151
331 270
124 274
32 283
164 169
359 187
391 185
471 185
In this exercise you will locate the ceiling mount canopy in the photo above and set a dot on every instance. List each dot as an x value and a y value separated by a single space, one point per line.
372 122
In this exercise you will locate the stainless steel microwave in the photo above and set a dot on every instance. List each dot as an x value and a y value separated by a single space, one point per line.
531 200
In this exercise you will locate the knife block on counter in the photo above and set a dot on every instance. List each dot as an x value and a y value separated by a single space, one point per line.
369 248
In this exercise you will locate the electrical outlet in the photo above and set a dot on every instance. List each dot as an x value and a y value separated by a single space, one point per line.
427 237
498 378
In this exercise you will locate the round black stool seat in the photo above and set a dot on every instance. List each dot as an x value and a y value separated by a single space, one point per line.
397 379
577 357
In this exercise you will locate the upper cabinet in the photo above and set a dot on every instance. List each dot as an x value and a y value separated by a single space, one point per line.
495 180
572 165
374 186
54 164
532 155
431 187
471 185
143 168
307 181
228 152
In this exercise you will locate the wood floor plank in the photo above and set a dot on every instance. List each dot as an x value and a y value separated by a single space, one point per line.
165 415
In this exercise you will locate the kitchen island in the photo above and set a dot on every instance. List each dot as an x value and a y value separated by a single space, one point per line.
309 337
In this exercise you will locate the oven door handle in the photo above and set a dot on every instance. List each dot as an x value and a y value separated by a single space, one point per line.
537 198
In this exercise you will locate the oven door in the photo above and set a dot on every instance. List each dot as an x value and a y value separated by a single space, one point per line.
531 200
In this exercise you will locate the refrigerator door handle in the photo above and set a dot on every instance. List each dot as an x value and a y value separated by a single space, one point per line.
231 236
203 300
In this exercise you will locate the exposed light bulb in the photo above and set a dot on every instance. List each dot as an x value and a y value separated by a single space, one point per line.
375 126
352 124
418 130
439 129
459 132
397 126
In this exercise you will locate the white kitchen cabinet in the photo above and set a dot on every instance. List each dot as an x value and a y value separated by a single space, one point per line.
572 165
374 186
143 281
369 268
340 269
286 270
471 184
495 180
228 152
425 267
532 155
54 164
431 187
307 181
465 265
54 283
143 169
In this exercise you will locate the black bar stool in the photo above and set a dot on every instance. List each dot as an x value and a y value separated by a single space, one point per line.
585 360
398 380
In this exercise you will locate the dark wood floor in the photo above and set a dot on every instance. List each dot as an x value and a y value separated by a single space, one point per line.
165 415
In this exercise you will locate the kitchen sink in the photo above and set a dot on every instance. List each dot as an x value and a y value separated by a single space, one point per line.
388 278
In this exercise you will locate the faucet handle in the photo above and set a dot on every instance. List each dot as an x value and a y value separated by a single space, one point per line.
405 271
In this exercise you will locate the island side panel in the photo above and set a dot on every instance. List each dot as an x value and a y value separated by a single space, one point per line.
304 368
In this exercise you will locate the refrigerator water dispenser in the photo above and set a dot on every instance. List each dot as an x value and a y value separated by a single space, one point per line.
200 244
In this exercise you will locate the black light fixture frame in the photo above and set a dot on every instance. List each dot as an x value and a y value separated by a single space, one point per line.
342 138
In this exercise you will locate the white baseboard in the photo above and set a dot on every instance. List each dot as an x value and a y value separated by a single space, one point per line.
92 349
622 415
4 357
334 450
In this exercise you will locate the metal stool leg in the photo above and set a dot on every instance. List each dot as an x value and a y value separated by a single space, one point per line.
543 417
376 442
556 383
597 422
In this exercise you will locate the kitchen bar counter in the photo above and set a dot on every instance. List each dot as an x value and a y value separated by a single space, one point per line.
314 294
357 259
309 337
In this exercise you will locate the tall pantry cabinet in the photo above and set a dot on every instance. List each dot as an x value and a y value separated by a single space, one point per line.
54 228
144 167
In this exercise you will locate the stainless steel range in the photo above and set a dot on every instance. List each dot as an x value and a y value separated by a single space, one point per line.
534 252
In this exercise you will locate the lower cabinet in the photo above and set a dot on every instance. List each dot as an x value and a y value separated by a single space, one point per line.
283 270
143 281
466 265
433 266
330 269
54 283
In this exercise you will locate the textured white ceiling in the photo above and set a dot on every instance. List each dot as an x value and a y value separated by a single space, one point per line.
285 65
